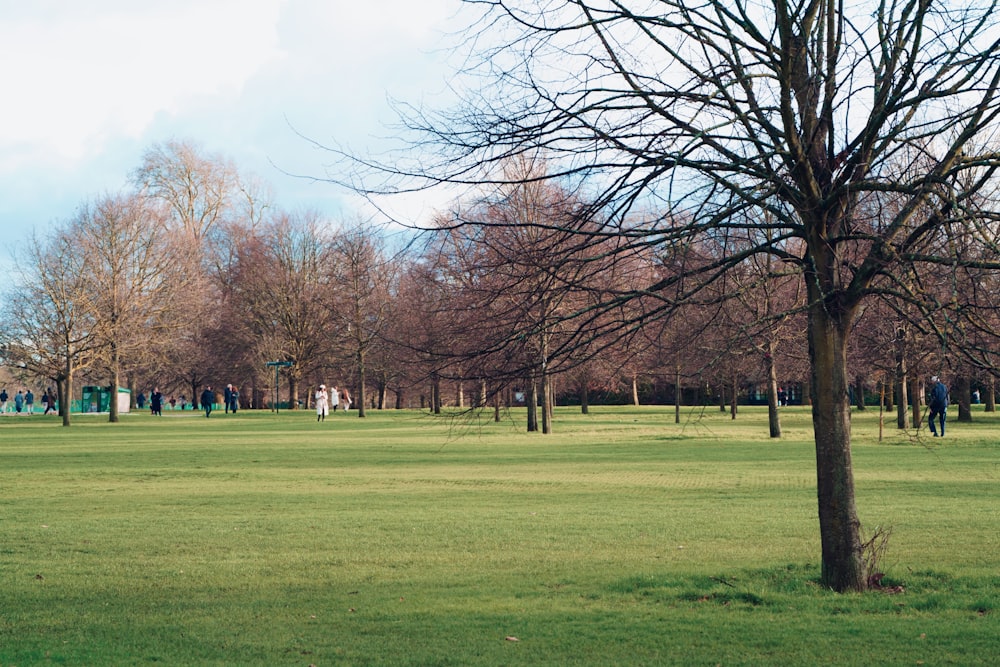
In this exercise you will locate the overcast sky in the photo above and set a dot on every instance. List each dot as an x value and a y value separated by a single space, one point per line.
88 86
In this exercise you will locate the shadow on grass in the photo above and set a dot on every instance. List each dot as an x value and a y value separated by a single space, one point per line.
799 586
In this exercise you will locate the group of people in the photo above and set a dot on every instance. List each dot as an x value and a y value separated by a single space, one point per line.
156 402
24 401
330 400
231 400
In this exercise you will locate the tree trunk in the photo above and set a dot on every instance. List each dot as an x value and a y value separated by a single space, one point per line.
677 395
963 396
532 405
131 391
381 391
635 390
915 394
115 375
293 392
734 398
902 421
773 418
859 392
546 402
436 394
840 531
65 388
584 397
991 395
361 384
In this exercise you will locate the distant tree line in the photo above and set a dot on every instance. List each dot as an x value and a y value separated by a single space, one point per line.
193 276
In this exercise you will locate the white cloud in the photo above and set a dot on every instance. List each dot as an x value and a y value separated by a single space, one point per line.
78 79
88 86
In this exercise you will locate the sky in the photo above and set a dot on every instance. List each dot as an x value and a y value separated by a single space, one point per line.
88 87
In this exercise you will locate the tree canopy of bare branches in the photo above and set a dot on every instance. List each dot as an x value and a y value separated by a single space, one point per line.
777 128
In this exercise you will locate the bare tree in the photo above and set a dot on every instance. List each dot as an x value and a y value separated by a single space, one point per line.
133 278
198 189
49 328
280 285
739 116
363 277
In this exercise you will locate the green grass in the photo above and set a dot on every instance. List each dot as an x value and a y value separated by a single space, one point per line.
621 539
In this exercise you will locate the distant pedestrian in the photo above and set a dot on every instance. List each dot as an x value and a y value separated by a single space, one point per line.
4 397
334 398
19 401
49 399
207 398
322 403
156 402
29 402
227 396
345 399
234 399
938 405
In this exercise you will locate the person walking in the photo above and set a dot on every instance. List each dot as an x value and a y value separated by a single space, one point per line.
234 399
227 397
334 398
322 403
938 405
207 398
49 398
29 402
156 402
19 401
4 397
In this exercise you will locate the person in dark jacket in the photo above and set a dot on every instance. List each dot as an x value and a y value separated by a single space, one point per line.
938 405
156 402
207 398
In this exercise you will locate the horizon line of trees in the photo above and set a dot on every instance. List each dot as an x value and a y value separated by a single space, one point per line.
194 277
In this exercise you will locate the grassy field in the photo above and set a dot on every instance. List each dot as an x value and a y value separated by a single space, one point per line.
621 539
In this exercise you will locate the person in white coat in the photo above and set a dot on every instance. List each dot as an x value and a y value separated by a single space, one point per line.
322 403
334 399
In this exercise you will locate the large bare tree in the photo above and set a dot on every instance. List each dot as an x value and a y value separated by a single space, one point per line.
363 277
198 189
732 116
279 284
133 277
49 326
